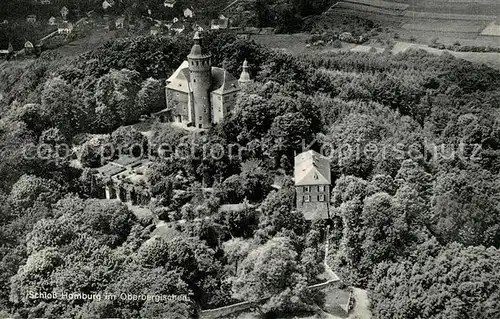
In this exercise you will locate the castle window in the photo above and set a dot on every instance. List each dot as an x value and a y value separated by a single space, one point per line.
307 198
206 109
321 198
219 97
178 94
194 80
220 109
307 189
321 188
201 118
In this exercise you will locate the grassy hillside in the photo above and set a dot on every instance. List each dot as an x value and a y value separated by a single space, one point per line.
422 21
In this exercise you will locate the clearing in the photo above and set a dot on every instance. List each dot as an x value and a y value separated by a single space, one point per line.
491 59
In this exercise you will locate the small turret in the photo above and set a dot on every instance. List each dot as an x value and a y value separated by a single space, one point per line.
245 76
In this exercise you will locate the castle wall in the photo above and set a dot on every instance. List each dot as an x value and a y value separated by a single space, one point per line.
222 105
217 108
179 102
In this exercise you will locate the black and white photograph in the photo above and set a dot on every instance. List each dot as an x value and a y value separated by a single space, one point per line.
249 159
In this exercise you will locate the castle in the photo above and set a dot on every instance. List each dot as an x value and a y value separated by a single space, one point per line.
198 94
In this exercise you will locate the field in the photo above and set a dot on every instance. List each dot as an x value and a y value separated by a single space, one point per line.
367 8
445 26
82 45
295 44
290 43
470 22
447 16
491 59
492 29
381 4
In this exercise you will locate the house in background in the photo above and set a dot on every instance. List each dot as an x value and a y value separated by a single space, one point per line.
154 30
312 185
5 54
120 23
65 28
169 3
221 23
45 2
29 48
64 13
175 20
178 27
188 13
52 21
31 18
106 4
198 26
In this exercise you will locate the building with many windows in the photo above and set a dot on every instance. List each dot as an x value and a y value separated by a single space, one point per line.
312 185
198 94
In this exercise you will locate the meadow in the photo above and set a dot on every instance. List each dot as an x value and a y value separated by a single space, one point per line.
472 23
491 59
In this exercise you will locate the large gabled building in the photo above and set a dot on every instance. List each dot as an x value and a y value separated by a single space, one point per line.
199 94
312 185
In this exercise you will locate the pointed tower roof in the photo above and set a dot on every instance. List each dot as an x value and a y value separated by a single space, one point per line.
196 50
245 76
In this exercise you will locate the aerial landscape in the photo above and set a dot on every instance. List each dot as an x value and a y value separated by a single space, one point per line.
250 159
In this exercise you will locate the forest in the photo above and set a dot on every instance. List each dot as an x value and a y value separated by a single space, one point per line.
416 211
